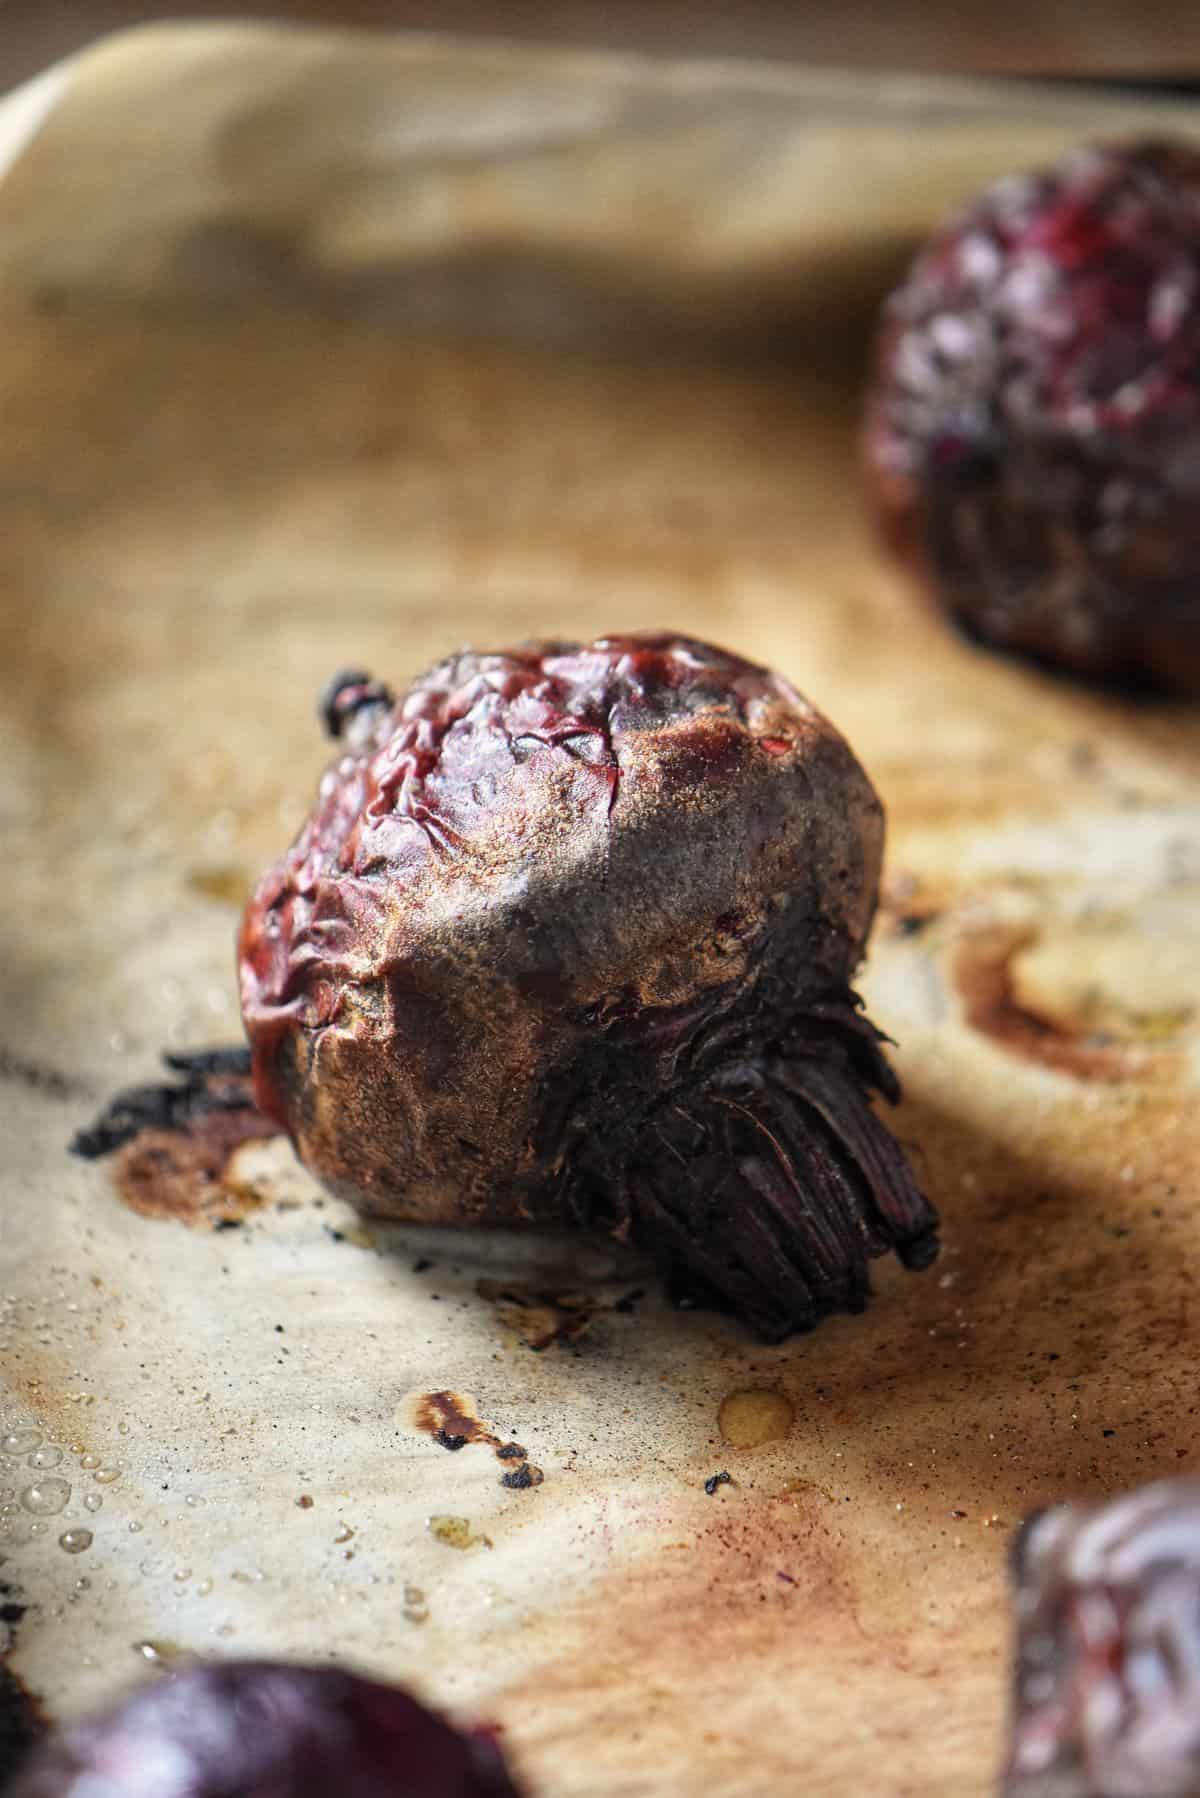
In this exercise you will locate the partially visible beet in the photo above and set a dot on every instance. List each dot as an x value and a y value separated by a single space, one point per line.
569 937
1106 1688
1033 428
258 1729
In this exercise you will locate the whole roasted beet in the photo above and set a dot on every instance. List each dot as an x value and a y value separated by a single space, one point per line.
255 1729
1033 430
1106 1700
569 937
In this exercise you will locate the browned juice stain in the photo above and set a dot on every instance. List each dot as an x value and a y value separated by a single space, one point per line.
982 973
754 1415
174 1143
184 1173
451 1419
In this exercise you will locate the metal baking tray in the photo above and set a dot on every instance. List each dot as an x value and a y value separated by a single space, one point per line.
319 349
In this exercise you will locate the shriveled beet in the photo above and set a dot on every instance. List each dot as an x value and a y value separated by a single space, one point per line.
1106 1698
258 1729
1033 430
568 937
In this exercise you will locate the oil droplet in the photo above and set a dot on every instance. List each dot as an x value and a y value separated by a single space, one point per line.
38 1527
92 1501
105 1476
89 1461
47 1498
135 1528
755 1415
182 1573
75 1541
416 1610
204 1588
455 1532
160 1653
49 1455
21 1442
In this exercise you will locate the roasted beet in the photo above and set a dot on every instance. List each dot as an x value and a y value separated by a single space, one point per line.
255 1729
1106 1700
568 937
1033 431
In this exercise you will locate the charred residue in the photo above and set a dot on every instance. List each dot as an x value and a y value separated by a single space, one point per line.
450 1418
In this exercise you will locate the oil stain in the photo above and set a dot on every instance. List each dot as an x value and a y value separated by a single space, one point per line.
754 1415
456 1532
225 886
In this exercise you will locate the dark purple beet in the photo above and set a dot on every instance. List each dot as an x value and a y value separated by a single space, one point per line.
569 937
1033 429
256 1729
1106 1696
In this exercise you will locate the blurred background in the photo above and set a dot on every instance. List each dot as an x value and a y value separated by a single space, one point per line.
1148 40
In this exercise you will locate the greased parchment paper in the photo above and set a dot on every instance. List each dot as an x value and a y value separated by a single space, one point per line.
317 350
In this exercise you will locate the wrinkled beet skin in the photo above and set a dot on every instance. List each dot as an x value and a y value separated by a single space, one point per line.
1033 428
256 1729
1106 1697
568 937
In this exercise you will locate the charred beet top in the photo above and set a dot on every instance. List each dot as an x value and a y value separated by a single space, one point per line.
1106 1700
568 937
256 1729
1033 433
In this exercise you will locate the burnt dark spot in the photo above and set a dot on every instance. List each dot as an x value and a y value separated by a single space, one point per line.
510 1451
211 1080
911 923
446 1440
719 1479
348 693
519 1479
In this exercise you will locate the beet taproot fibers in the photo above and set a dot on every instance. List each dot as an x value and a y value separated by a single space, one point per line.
260 1729
1106 1688
1033 428
568 937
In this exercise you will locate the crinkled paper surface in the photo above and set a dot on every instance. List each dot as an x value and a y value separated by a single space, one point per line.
318 350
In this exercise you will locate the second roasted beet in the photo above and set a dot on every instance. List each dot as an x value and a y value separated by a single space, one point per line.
1106 1693
569 937
264 1729
1033 429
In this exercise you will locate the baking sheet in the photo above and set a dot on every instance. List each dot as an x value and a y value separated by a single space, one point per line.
318 350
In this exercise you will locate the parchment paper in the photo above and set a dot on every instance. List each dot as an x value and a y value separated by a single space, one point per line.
317 350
